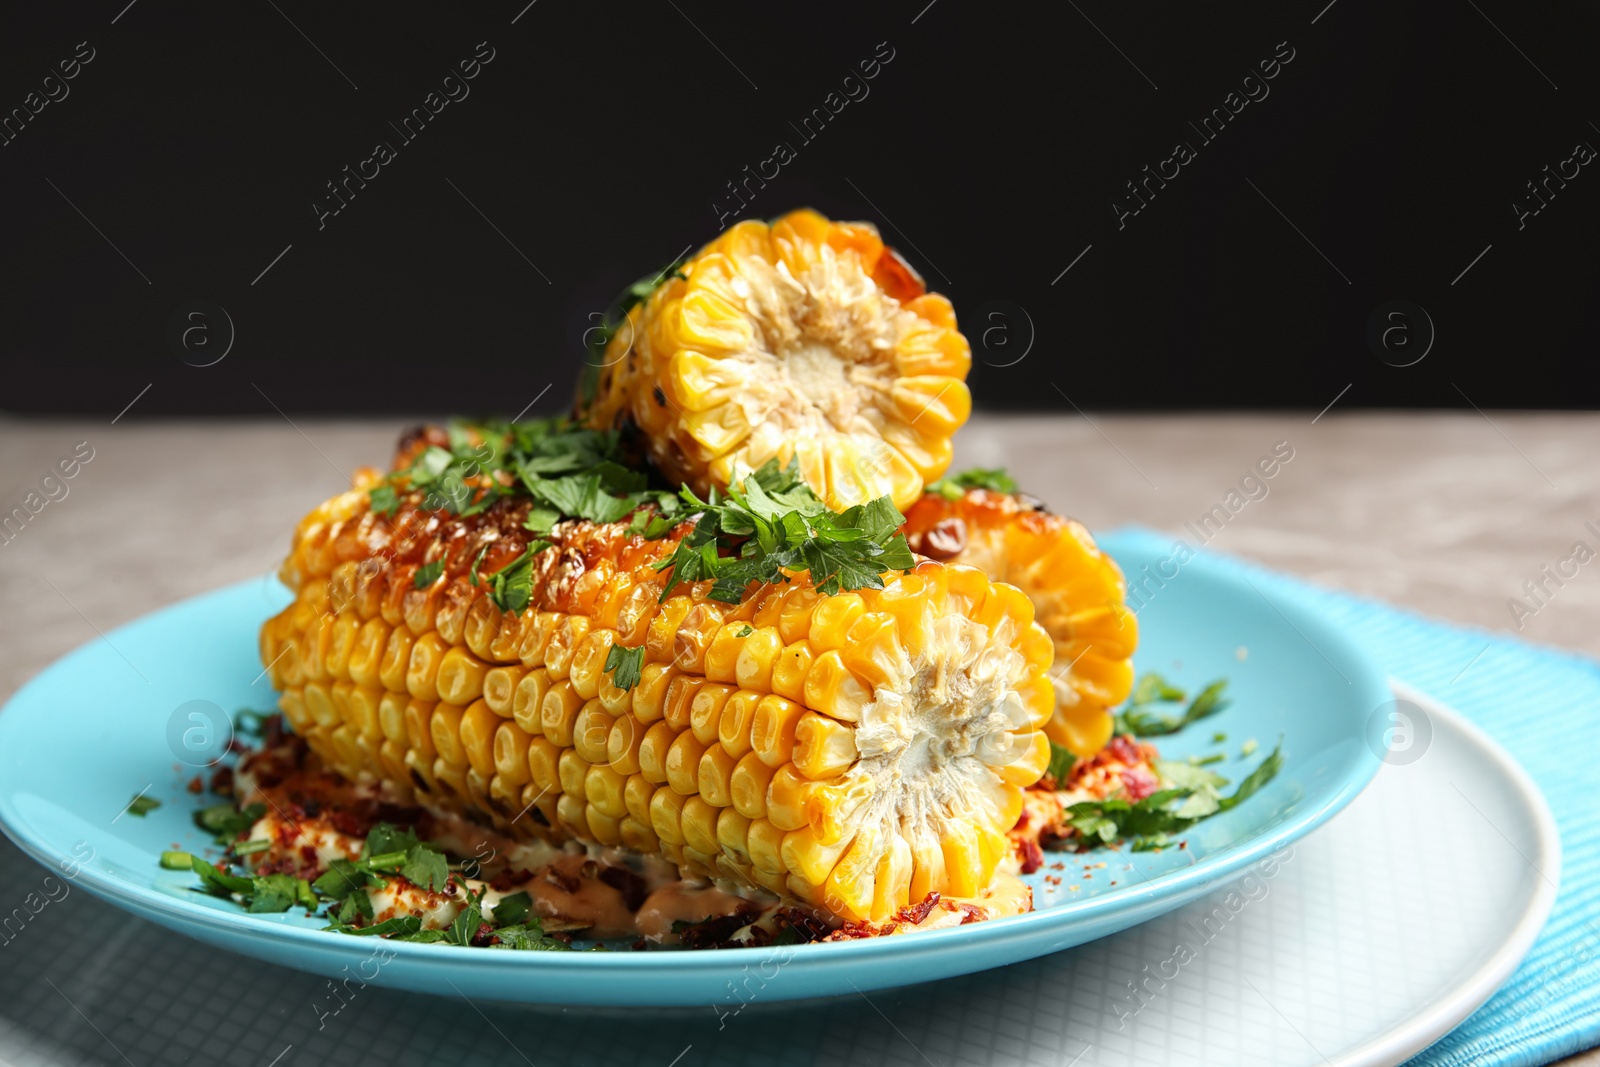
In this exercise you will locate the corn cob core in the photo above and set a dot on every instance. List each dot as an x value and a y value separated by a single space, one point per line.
853 752
1077 591
805 338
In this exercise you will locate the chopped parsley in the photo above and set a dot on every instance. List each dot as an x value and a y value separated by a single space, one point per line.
1061 763
625 664
226 822
1140 720
427 574
511 587
142 805
771 523
1188 794
953 487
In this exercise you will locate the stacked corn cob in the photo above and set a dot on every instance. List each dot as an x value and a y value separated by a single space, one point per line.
855 752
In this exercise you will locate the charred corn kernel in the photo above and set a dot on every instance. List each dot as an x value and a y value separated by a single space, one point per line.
748 784
852 752
603 786
653 752
422 672
714 776
544 765
572 769
500 689
444 726
763 309
623 744
511 753
772 732
824 747
705 712
591 731
764 842
478 726
831 621
460 677
683 763
789 671
588 662
732 831
637 834
733 727
559 712
833 690
650 694
698 823
396 658
527 703
666 811
636 794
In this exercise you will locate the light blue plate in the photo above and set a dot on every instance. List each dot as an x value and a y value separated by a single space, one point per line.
116 718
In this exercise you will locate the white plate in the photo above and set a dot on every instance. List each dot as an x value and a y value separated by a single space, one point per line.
1371 939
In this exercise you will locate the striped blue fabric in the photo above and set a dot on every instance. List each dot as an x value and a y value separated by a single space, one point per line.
1543 706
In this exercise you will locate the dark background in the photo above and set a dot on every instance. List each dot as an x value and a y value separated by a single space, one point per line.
990 149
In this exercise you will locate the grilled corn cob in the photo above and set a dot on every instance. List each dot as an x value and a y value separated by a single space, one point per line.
1077 592
853 752
805 338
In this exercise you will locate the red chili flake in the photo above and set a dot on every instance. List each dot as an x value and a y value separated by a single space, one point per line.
308 855
1123 749
915 913
195 784
1032 857
971 913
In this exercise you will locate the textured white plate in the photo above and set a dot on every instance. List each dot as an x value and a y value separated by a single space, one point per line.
1370 939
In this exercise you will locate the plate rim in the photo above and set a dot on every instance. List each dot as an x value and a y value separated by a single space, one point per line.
1405 1040
1183 884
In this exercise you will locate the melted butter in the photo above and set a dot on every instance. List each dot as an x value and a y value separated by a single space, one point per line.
683 902
570 889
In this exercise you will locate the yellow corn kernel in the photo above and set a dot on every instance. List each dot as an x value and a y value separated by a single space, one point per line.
733 727
590 732
789 798
419 732
698 823
772 730
392 715
694 637
616 701
834 691
478 726
650 694
500 689
653 752
507 639
721 656
850 887
570 631
623 743
638 835
419 606
666 811
544 765
602 827
536 633
683 763
809 858
824 747
962 861
603 786
444 726
572 769
680 699
559 713
636 794
794 622
573 814
367 655
757 660
790 669
733 830
714 776
765 845
831 620
392 758
422 671
363 704
748 784
705 712
396 658
664 629
482 622
589 661
460 677
511 753
527 703
891 887
319 702
341 642
450 619
293 705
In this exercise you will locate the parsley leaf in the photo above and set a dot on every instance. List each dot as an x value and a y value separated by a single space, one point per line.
427 574
512 908
385 837
511 587
954 486
1061 763
384 499
625 664
541 520
1137 720
142 805
427 867
226 822
464 927
528 936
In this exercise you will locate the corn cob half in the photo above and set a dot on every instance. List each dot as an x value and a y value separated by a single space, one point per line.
1078 595
804 338
853 752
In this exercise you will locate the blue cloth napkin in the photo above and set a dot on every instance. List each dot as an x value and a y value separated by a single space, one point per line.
1543 706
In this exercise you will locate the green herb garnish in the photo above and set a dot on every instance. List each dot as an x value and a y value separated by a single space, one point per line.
625 664
142 805
427 574
1190 795
1137 719
954 486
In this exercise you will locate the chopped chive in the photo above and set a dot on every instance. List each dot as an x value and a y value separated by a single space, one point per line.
1218 738
142 805
251 847
1206 761
177 861
1248 748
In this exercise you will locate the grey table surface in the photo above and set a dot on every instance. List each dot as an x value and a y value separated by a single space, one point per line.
1449 514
